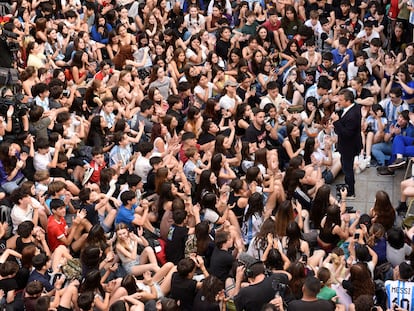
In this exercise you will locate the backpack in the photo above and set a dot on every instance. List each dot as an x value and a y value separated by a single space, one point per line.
5 212
73 269
383 272
380 294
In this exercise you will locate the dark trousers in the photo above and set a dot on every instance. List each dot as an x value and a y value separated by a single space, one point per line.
347 162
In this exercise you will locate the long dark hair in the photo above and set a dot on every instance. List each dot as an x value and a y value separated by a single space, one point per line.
333 218
293 175
285 21
298 272
165 195
204 185
96 133
293 246
211 287
130 284
255 205
203 237
92 282
105 26
77 59
215 165
295 143
320 205
267 227
9 163
284 216
385 213
308 149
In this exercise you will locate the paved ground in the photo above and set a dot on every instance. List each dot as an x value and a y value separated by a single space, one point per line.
368 183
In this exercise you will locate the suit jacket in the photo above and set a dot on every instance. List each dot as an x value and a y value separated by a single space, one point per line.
348 129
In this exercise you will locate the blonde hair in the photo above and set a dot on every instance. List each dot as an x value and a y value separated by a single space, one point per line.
41 175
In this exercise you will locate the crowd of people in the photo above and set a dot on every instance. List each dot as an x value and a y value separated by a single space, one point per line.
167 155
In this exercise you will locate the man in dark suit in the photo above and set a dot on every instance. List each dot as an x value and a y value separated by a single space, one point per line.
348 129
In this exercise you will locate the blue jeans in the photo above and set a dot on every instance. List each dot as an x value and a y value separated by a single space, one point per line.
382 152
402 145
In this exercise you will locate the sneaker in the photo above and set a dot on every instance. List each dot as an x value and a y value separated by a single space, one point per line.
402 208
384 170
368 161
350 209
398 163
374 163
88 174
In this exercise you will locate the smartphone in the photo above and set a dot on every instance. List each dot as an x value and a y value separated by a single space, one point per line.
356 236
304 258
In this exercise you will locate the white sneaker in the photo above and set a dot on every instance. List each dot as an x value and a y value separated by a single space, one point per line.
362 165
368 161
88 173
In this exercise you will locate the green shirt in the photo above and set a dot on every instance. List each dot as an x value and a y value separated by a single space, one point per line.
326 293
250 29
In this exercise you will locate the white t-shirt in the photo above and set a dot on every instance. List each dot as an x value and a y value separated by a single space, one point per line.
142 168
40 161
199 90
196 23
228 103
190 53
18 215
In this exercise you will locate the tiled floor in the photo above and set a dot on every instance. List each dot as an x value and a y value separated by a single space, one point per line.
368 183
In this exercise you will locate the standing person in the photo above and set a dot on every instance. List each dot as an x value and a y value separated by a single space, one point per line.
348 129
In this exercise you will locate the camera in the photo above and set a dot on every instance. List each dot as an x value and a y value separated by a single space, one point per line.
279 288
20 109
341 187
356 236
4 34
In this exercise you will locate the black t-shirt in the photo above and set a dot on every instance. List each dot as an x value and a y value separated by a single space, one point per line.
6 58
8 285
320 305
220 263
149 187
175 249
252 101
253 135
91 213
21 277
20 245
184 290
365 93
206 138
253 297
340 16
222 49
58 172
